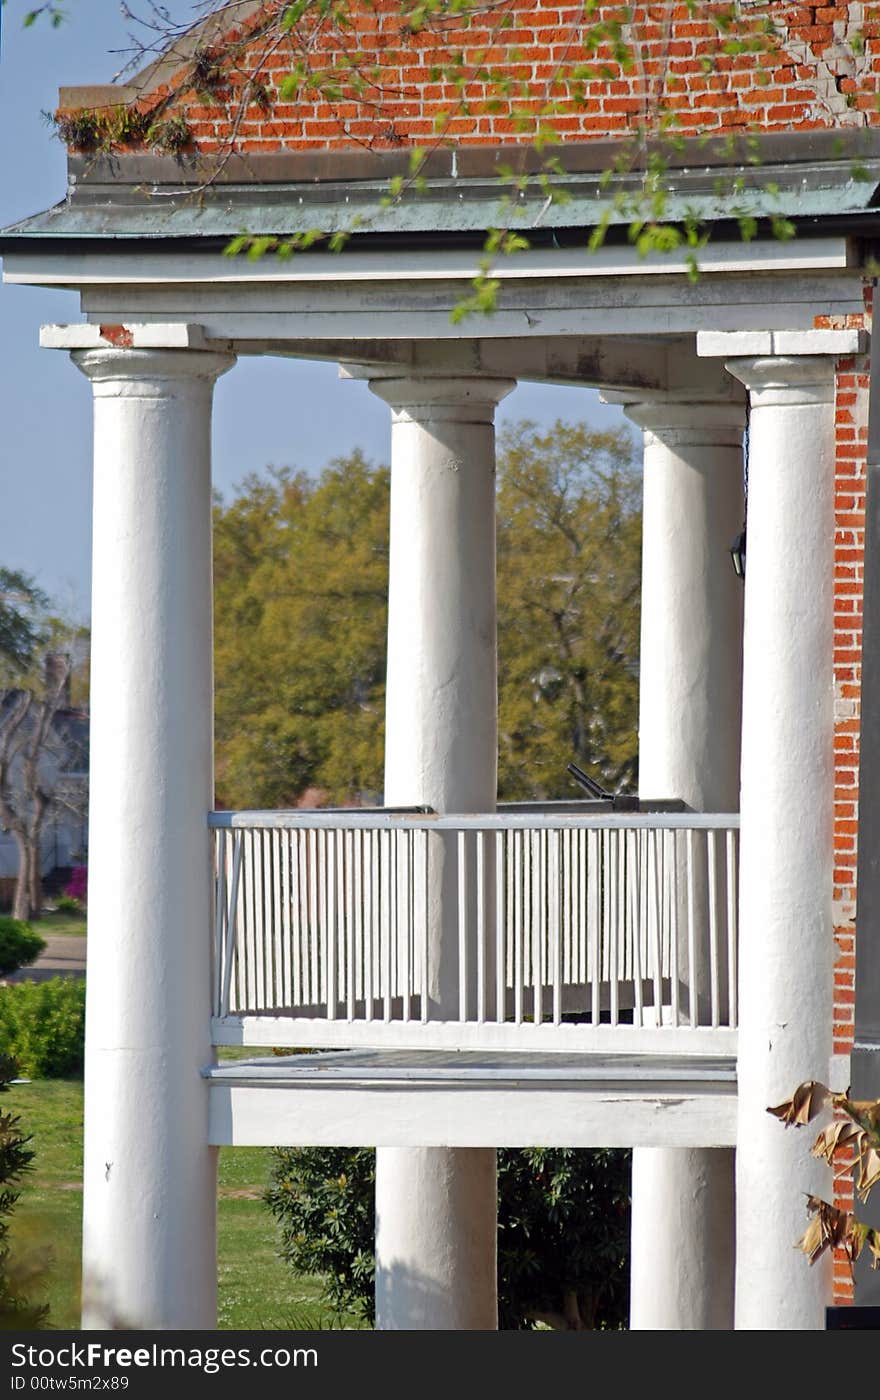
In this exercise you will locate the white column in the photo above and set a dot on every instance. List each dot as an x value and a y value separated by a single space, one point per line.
149 1250
436 1208
787 829
682 1274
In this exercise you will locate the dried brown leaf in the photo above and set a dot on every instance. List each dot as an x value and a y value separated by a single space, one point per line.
836 1138
869 1170
807 1101
829 1229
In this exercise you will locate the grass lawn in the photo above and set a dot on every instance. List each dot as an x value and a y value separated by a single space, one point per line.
59 925
256 1289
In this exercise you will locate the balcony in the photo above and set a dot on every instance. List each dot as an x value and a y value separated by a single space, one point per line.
569 928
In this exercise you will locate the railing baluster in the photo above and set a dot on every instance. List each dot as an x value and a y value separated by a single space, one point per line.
481 926
403 916
283 916
518 921
293 843
349 972
369 860
219 843
385 873
674 934
393 913
313 872
232 924
635 932
554 949
538 908
713 927
657 949
302 916
614 912
425 903
462 927
275 931
252 999
693 1010
500 929
264 884
330 925
594 922
731 929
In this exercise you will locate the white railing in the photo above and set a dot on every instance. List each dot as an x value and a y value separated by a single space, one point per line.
509 930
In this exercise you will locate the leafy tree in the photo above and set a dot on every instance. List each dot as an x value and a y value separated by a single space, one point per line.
301 569
38 742
17 1277
569 579
563 1231
21 605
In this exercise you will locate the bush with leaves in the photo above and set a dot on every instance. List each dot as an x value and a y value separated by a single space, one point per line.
563 1231
42 1025
16 1275
20 945
77 887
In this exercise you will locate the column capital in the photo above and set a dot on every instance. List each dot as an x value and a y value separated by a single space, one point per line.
463 399
151 373
675 422
785 379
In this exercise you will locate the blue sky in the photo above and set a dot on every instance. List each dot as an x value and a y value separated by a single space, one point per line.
267 411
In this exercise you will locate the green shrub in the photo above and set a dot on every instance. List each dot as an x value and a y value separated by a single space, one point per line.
17 1275
42 1026
19 944
563 1231
66 904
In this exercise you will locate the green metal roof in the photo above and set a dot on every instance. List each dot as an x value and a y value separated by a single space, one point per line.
142 197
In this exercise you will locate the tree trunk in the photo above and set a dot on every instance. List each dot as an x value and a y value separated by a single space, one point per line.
28 899
35 881
21 899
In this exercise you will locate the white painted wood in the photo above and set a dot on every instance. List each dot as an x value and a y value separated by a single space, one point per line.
786 853
322 819
174 335
438 1232
727 344
689 725
732 970
39 267
149 1251
714 973
443 1117
441 1035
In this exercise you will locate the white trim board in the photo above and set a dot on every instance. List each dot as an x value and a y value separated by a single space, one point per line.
78 268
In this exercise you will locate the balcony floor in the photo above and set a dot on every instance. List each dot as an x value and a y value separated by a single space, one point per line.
403 1098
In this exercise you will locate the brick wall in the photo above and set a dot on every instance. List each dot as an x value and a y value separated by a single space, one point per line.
851 431
818 68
